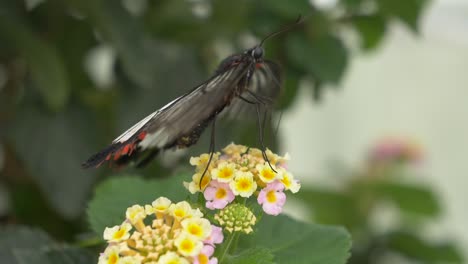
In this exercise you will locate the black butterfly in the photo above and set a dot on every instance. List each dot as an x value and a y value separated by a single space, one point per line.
239 80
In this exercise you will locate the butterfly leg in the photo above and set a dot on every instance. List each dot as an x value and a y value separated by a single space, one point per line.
261 125
211 150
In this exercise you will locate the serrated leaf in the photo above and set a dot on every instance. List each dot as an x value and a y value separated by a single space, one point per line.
411 199
325 57
409 12
114 196
253 256
297 242
52 148
46 67
371 29
414 247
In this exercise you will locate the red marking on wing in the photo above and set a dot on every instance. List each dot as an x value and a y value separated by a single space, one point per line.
142 135
126 149
258 65
117 154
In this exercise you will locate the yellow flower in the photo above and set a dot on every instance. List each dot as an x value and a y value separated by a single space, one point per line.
135 213
130 260
265 173
289 182
194 185
203 259
117 233
181 210
172 258
243 184
171 233
201 161
110 255
197 227
224 172
188 245
233 149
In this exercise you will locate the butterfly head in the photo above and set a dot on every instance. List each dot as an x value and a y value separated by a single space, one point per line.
256 53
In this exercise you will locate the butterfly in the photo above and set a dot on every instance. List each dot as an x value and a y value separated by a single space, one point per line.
246 78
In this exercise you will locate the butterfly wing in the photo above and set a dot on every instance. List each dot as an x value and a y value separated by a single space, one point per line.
179 123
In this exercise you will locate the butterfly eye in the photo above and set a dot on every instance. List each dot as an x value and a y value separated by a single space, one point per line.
257 52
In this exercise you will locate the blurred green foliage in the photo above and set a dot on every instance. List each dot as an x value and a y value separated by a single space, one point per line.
54 112
383 191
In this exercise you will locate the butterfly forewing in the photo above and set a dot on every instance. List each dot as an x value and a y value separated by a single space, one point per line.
180 122
196 108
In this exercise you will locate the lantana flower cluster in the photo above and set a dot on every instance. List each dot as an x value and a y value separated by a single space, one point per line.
240 171
395 149
162 233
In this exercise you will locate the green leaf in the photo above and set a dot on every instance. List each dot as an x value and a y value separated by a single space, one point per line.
288 9
414 247
325 57
253 256
353 4
330 207
410 198
52 148
371 28
147 62
114 196
61 255
290 90
229 16
297 242
46 67
21 245
409 11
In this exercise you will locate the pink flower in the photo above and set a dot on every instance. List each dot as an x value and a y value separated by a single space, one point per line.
218 195
216 236
272 198
396 149
205 254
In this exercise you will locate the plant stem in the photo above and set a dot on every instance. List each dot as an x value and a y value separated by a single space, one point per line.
226 247
234 245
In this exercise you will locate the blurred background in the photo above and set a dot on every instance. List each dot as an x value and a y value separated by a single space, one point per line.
372 113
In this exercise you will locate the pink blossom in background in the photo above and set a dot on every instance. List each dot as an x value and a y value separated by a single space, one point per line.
396 149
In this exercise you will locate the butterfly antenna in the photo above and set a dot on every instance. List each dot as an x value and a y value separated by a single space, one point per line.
298 21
